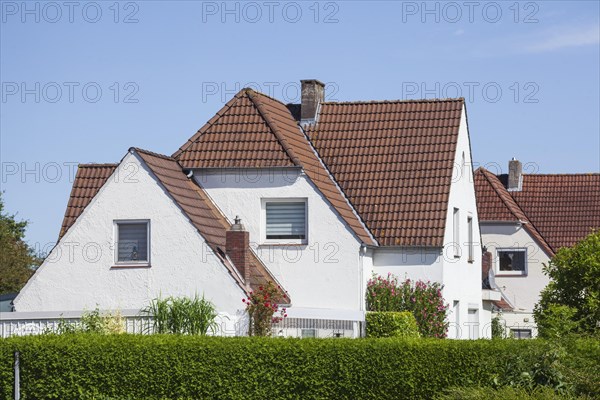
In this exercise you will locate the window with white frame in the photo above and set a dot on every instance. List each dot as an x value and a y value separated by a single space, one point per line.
132 242
285 220
456 232
470 239
512 262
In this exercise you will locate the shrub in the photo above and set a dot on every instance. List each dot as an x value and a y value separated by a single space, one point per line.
182 315
391 324
263 309
498 328
505 393
423 299
556 321
153 367
91 322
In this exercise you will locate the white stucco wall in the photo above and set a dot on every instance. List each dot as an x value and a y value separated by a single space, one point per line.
78 273
461 276
521 290
325 272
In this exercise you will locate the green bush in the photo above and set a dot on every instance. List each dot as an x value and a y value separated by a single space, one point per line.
505 393
152 367
392 324
556 321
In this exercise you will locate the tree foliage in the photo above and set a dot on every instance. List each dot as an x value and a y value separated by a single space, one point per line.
573 295
17 259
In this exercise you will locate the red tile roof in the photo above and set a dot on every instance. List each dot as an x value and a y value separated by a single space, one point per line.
192 200
238 136
559 210
563 208
254 130
88 180
393 160
494 202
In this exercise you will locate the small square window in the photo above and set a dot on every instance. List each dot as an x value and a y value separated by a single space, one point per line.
285 220
521 333
132 242
512 261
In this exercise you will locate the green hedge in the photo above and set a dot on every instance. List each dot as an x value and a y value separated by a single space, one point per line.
87 366
391 324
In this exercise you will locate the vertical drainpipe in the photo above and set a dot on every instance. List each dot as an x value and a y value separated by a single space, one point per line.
361 256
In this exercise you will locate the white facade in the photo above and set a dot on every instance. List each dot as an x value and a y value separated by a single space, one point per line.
324 272
79 273
522 291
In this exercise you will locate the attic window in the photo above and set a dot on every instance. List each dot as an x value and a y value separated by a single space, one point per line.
132 242
285 220
512 262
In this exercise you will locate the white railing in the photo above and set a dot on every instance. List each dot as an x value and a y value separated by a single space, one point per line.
36 323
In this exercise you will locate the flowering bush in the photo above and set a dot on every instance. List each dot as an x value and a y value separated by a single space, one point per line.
263 309
423 299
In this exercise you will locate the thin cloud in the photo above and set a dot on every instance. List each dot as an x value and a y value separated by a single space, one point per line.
565 39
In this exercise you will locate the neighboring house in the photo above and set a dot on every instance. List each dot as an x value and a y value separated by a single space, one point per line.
524 219
328 193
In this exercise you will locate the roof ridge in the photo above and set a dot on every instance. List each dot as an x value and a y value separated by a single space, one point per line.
152 153
273 126
567 174
96 165
210 122
395 101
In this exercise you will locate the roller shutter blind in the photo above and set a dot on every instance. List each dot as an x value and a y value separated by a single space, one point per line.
133 242
286 220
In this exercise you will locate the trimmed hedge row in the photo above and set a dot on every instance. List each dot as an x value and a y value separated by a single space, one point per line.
87 366
391 324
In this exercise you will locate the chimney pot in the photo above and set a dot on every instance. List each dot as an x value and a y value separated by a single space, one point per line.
237 248
515 175
313 94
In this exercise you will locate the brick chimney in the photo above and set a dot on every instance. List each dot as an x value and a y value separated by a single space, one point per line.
237 247
515 175
313 93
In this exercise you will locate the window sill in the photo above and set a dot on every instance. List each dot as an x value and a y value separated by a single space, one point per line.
280 244
511 273
471 261
122 266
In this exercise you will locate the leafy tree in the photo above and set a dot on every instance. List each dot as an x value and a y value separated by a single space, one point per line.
17 259
575 285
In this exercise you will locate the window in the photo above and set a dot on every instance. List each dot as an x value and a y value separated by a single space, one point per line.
132 238
309 333
521 333
512 261
285 220
473 323
470 244
455 233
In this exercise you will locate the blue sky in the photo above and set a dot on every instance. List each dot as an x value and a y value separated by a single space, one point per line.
83 82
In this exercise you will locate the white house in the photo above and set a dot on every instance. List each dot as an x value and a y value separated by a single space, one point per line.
524 220
328 193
